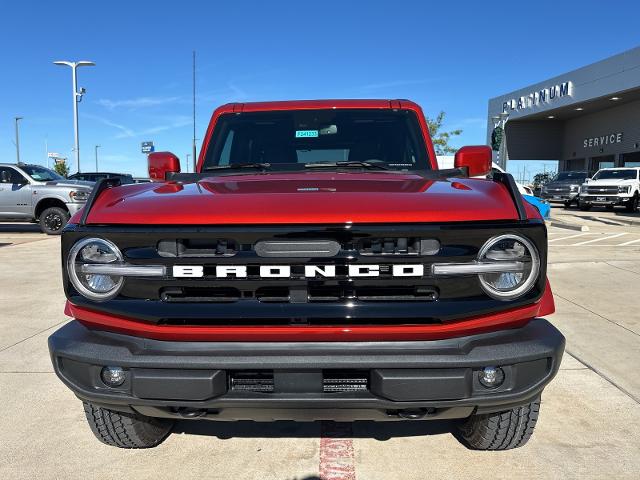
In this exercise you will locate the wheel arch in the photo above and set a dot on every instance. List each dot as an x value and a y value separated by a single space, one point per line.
48 202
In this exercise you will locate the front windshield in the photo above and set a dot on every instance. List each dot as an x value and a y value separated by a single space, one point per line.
293 140
616 175
40 174
564 176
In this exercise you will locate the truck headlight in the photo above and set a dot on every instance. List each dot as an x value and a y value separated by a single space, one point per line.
88 253
574 188
79 195
624 189
522 258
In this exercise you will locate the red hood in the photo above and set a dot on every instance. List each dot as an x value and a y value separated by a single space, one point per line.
308 197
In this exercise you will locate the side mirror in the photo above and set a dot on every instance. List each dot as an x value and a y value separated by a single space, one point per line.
477 159
162 163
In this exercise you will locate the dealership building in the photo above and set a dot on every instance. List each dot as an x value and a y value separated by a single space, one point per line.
585 119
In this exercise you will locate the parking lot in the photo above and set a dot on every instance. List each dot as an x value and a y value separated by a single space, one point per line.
587 428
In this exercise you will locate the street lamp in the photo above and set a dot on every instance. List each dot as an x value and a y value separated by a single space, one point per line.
77 98
17 140
96 149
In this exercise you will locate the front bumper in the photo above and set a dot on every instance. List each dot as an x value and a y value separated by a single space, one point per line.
559 197
604 199
436 379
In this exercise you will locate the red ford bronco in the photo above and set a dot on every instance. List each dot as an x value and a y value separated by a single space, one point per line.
317 266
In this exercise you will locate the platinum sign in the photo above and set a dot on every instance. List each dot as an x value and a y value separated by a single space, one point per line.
543 96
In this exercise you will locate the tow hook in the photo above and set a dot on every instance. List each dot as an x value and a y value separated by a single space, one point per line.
191 412
415 413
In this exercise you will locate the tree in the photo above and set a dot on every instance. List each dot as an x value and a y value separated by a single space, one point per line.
61 168
541 178
441 139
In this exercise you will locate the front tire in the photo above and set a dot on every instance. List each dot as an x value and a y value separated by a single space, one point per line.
502 430
126 430
632 205
53 220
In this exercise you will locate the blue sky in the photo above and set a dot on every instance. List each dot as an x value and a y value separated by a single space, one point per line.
450 56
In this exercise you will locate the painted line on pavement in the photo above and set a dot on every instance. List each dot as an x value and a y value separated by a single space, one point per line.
629 243
337 458
600 239
570 236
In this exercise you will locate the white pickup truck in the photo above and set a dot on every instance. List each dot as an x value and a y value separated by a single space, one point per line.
610 187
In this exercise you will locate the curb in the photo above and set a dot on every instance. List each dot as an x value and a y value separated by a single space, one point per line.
568 226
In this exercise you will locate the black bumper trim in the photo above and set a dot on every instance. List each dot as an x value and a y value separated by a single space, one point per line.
530 356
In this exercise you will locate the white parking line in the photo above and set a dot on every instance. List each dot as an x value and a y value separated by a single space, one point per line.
629 243
566 238
600 239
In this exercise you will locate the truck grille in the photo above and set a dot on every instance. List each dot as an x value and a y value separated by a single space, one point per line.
286 294
558 190
298 297
605 190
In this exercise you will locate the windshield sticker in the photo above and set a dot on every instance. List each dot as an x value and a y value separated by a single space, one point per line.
306 133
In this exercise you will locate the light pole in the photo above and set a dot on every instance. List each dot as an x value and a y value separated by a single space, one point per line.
96 149
17 140
77 98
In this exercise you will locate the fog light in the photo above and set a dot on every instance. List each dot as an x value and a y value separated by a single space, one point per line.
491 377
112 376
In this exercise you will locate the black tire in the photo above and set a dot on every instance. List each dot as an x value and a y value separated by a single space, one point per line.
632 205
567 205
583 207
501 431
126 430
53 220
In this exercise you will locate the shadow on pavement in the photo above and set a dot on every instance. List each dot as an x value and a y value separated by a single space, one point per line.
359 429
20 228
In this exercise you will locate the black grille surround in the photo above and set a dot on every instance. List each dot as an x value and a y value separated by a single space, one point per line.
298 300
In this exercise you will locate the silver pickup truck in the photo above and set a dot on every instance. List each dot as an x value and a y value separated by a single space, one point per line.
36 194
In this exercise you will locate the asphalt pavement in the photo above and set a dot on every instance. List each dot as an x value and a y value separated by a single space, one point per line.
587 428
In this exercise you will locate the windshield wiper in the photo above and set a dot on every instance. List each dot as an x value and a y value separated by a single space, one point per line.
346 164
238 166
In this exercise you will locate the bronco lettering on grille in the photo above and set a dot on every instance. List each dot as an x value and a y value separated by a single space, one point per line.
310 271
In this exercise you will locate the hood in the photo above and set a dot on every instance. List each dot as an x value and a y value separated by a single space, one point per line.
305 198
610 181
70 183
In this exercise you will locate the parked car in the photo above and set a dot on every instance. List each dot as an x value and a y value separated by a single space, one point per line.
542 205
95 176
564 187
610 187
318 265
523 189
36 194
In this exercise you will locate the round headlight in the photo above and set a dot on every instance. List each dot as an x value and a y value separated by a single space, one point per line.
517 266
92 251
